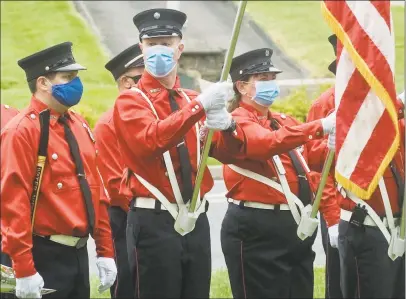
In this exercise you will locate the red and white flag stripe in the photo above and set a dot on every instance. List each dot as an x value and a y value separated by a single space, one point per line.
367 135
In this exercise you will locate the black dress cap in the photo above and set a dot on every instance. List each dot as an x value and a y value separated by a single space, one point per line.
253 62
58 58
129 58
333 41
160 22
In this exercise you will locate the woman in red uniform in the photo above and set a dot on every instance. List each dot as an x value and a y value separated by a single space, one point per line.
267 178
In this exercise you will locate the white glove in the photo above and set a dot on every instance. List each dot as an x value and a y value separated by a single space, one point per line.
218 119
216 96
29 287
333 235
328 123
107 272
331 141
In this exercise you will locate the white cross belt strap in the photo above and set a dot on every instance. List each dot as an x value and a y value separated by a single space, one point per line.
396 246
173 210
200 207
290 197
371 212
346 216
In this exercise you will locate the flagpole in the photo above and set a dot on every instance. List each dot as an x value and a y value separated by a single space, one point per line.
403 220
323 181
224 74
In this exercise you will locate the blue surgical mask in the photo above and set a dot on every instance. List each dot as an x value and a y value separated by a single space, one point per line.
266 92
68 94
159 60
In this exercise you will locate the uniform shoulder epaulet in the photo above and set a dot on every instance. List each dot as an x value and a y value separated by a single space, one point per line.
24 122
29 114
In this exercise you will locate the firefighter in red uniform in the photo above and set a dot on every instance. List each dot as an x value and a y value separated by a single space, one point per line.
365 269
7 113
157 128
69 208
126 69
266 178
323 106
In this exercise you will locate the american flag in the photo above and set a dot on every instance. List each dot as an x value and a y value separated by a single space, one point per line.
367 134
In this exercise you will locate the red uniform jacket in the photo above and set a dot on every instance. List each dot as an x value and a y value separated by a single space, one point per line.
325 105
7 113
111 165
320 108
61 207
142 138
258 143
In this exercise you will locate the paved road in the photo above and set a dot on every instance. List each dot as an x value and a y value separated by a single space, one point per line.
208 28
216 213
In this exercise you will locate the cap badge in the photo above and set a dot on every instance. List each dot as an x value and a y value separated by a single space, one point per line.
157 15
47 68
267 53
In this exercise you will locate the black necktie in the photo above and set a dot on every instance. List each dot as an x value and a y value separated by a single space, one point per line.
185 166
304 187
84 185
399 182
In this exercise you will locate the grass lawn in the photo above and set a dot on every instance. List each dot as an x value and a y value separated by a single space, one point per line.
55 22
299 29
220 285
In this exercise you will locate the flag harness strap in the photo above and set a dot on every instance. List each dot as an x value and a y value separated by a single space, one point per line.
44 117
283 187
171 171
371 212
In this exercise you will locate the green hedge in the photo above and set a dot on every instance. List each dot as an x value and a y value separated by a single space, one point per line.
297 104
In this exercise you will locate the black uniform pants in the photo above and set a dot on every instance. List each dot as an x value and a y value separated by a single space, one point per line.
123 286
366 269
63 268
167 265
332 278
264 256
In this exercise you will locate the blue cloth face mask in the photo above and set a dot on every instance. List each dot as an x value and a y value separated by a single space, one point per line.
159 60
266 92
68 94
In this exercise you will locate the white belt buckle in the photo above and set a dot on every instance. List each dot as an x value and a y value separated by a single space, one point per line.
397 245
307 225
186 221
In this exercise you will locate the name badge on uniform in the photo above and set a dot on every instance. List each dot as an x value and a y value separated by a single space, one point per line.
89 132
279 165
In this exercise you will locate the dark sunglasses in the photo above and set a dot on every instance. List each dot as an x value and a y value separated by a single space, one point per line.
135 78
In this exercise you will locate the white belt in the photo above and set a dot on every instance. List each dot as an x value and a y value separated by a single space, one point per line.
259 205
67 240
149 203
346 216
